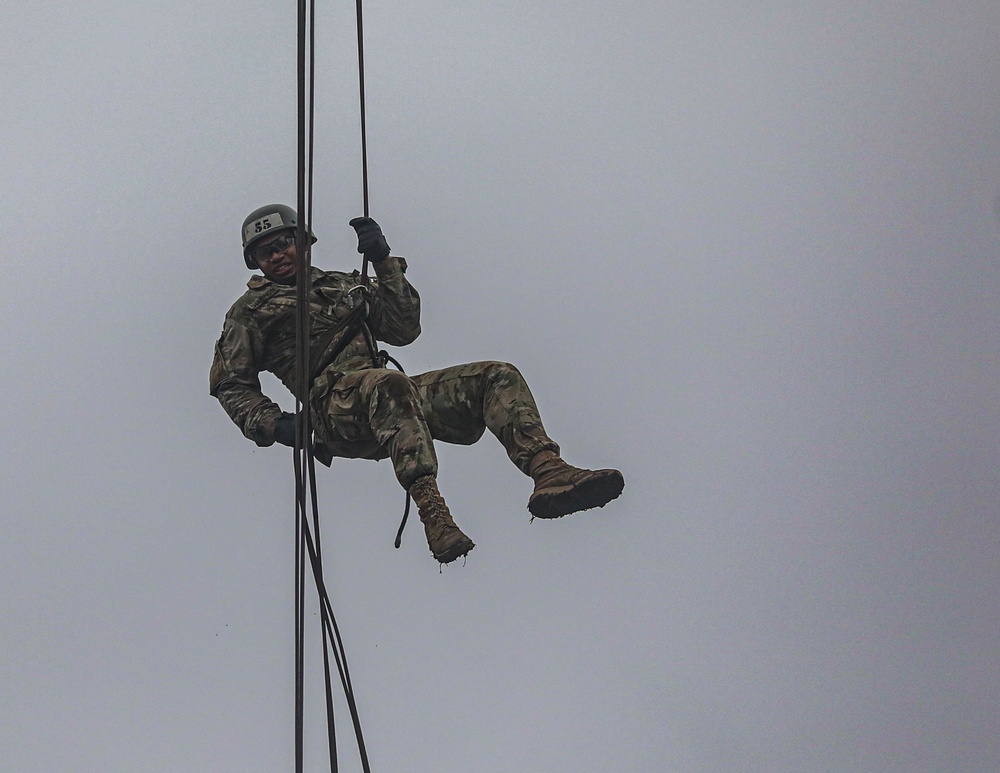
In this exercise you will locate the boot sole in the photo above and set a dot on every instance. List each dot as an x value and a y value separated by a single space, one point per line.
594 491
460 548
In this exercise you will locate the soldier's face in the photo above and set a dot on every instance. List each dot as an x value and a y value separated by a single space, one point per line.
277 258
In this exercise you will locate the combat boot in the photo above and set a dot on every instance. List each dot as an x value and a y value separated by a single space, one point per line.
561 489
444 538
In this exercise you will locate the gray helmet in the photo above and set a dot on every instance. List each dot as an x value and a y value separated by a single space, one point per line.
265 221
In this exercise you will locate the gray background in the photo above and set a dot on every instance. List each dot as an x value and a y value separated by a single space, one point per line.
745 252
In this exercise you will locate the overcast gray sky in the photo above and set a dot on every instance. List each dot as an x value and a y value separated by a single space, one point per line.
748 253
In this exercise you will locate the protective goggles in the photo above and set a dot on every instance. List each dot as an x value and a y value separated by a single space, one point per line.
280 244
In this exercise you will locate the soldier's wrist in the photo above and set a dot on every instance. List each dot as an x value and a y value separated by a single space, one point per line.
391 266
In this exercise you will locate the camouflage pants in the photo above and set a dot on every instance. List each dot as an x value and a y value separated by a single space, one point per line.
381 413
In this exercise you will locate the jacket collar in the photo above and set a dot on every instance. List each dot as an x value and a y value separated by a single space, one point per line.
258 281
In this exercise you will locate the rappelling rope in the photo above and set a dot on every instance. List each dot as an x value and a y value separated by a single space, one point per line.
364 127
381 358
308 541
302 424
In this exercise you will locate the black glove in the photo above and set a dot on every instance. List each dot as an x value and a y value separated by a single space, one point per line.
371 240
284 430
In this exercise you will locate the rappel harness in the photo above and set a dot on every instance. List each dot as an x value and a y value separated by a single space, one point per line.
341 334
336 340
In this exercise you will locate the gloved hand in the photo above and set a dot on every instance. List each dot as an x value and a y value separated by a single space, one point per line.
284 430
371 240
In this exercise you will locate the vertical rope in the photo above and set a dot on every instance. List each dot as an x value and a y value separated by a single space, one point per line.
307 541
331 729
361 86
364 128
301 377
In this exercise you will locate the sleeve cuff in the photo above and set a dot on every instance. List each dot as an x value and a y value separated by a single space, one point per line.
390 267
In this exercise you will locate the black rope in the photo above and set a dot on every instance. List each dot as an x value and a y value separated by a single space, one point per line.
381 358
361 95
364 128
308 540
301 408
402 523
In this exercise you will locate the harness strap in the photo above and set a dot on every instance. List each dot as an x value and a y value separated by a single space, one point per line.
331 347
379 359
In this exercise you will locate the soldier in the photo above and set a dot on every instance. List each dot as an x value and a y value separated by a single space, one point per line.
362 409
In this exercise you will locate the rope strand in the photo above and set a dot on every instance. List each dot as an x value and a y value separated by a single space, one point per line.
301 408
307 540
364 129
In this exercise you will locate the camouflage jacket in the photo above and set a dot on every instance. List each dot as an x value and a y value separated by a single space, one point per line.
259 335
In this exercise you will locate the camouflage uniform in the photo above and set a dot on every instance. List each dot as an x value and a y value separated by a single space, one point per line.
361 410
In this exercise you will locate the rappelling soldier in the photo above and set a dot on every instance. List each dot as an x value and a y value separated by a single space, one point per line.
360 408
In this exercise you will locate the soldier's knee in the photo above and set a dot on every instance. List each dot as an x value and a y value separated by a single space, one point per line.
503 373
397 385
